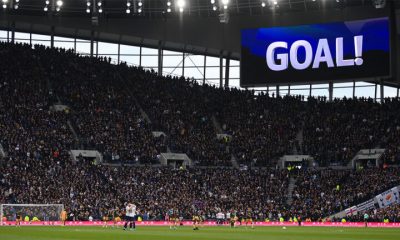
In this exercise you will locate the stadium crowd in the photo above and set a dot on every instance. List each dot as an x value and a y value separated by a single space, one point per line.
105 116
182 111
323 193
105 104
335 131
92 190
115 108
262 128
389 214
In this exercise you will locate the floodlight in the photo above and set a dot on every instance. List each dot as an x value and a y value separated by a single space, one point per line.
59 3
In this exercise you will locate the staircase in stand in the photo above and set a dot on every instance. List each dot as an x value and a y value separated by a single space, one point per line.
72 129
217 125
234 161
219 130
3 153
129 87
299 139
291 187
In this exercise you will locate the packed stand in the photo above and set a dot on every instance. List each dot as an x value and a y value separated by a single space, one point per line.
106 115
335 131
319 194
105 102
182 111
262 128
391 137
389 214
153 190
103 114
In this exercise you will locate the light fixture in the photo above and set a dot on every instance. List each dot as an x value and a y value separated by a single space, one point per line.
57 9
169 10
181 4
215 8
88 4
140 3
168 3
225 2
99 6
4 6
46 7
275 2
128 6
212 1
59 3
263 4
225 6
139 10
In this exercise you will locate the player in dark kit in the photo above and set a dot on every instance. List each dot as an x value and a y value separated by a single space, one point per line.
249 218
18 220
233 220
105 217
196 221
116 216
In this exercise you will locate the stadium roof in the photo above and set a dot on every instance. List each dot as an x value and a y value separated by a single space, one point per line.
197 30
158 8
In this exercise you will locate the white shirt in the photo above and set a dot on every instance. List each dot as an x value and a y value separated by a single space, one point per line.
131 210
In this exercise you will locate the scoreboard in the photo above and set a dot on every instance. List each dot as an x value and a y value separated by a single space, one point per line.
338 51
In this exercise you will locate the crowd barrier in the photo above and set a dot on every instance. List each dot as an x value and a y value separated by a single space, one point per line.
210 223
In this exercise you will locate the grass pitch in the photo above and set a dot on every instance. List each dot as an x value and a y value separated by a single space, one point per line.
206 233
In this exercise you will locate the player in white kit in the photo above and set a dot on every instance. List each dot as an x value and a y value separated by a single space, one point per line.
130 217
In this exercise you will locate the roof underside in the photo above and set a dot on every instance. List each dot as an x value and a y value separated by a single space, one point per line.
198 31
158 8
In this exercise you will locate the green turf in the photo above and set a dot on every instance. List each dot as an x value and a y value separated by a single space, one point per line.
206 233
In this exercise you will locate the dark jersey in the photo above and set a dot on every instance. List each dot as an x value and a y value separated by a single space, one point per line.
249 214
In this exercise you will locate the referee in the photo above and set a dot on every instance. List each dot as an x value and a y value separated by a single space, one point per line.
366 216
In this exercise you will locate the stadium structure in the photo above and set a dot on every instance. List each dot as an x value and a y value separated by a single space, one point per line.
241 119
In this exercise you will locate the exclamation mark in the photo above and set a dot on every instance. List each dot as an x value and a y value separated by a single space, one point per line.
358 44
